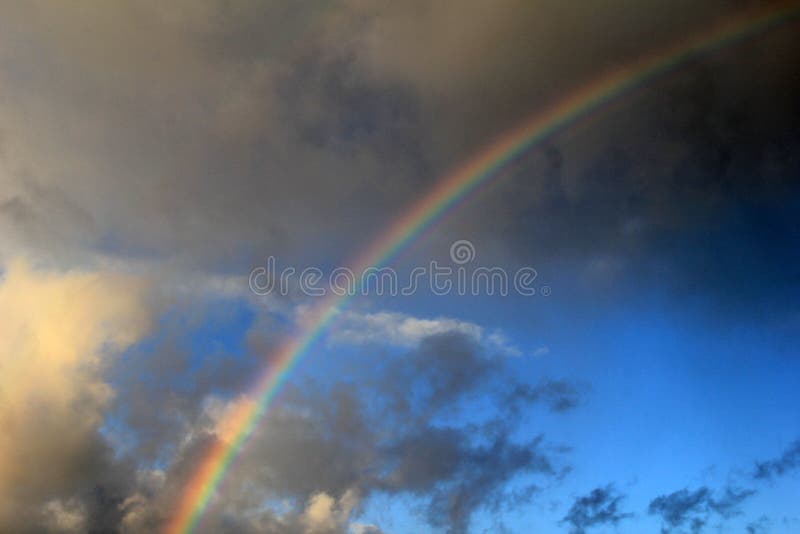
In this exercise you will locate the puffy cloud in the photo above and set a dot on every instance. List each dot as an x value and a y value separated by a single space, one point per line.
58 332
326 449
324 514
221 414
60 516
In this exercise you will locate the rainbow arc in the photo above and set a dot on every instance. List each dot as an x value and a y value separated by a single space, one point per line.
449 191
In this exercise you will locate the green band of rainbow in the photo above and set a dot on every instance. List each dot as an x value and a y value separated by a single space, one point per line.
446 194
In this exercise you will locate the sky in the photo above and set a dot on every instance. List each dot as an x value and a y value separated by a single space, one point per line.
154 156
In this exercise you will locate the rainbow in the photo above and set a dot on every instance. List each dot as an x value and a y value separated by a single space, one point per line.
447 193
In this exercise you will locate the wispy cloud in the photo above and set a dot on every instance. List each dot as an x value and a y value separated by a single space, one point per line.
403 330
598 508
787 462
695 507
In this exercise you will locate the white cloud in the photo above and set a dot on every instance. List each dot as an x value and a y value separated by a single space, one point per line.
499 341
402 330
325 514
224 416
544 350
364 528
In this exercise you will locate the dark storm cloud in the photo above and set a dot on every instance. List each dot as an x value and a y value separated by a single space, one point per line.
695 508
218 157
690 188
633 215
224 131
600 507
786 463
216 133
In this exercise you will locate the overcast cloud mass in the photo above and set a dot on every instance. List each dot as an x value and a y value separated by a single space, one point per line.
152 154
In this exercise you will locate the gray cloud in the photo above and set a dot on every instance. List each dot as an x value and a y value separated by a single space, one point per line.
481 481
727 505
783 464
219 132
559 395
696 507
340 444
681 506
759 526
161 385
325 449
173 149
600 507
